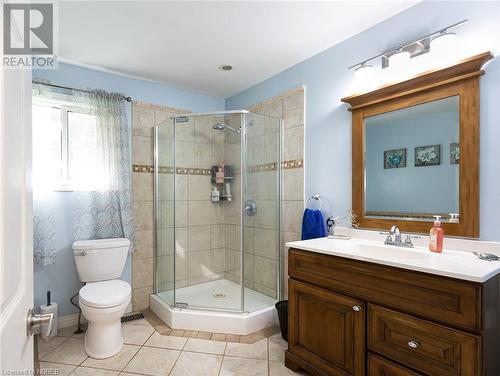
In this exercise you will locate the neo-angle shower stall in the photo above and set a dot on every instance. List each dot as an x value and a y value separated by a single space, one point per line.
217 221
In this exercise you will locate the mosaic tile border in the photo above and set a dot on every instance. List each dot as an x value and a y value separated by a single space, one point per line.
170 170
286 165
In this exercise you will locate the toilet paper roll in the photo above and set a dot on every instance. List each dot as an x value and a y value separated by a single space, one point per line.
52 308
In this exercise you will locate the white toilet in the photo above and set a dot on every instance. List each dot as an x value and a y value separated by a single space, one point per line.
105 298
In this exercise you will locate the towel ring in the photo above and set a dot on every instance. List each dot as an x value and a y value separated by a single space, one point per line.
316 197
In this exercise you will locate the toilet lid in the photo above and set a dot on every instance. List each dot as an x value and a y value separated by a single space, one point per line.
105 294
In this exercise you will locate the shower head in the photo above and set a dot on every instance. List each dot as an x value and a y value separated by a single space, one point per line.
222 126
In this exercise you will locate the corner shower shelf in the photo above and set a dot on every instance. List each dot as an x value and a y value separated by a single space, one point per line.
224 198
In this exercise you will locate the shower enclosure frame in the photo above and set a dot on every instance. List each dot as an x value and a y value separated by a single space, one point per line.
243 181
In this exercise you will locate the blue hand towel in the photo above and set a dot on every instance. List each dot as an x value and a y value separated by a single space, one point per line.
313 225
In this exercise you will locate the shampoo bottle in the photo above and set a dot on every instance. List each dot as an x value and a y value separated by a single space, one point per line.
436 236
215 194
219 175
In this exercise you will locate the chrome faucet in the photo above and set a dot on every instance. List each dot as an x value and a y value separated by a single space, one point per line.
394 238
394 231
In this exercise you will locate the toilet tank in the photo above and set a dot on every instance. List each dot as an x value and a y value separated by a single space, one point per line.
100 260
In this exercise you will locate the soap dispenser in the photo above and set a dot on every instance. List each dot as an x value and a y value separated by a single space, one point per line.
436 236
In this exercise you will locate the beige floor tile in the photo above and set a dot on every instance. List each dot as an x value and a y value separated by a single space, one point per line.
167 342
136 334
257 350
243 367
153 361
86 371
70 332
204 335
190 334
277 335
279 369
277 349
117 362
252 337
233 338
73 352
45 346
218 337
271 331
164 330
196 364
205 346
47 368
177 332
66 332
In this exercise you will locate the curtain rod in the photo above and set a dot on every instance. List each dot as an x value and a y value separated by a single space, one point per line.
128 99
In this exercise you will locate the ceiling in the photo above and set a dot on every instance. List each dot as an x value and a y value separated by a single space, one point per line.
183 43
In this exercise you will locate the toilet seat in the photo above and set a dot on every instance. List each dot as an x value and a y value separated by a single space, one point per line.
105 294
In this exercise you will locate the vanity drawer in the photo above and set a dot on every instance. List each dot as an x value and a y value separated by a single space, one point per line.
429 348
378 366
448 301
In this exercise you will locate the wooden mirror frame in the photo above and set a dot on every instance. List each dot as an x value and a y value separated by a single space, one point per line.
462 80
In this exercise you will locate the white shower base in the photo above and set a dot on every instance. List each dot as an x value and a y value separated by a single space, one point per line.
259 309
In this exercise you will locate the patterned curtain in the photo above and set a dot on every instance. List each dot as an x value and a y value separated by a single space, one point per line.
108 213
104 211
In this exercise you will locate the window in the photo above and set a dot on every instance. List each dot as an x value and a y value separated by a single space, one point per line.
66 154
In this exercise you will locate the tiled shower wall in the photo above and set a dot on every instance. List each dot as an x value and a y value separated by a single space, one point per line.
290 107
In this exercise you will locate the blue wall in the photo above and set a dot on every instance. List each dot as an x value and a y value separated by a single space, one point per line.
327 80
61 277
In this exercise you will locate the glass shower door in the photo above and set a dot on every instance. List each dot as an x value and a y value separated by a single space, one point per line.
208 230
261 211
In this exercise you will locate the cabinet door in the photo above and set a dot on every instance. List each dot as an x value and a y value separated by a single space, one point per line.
326 330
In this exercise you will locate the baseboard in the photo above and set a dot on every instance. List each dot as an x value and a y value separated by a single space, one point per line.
68 320
72 320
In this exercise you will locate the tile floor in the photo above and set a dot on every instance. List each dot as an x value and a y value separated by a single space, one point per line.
147 352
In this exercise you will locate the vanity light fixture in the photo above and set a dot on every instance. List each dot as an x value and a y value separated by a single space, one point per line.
440 40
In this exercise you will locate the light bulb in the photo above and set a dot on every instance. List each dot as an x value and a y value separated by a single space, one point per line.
443 49
399 65
365 77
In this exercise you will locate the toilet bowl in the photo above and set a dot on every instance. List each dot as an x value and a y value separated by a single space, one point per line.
103 304
104 298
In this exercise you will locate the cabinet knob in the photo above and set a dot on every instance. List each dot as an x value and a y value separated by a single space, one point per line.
356 308
413 344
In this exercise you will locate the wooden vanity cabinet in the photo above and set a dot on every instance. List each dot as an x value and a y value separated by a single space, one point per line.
349 317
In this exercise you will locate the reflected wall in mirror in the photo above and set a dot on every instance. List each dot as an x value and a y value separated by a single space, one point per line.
408 173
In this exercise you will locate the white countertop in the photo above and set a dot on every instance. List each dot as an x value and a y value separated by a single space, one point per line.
458 264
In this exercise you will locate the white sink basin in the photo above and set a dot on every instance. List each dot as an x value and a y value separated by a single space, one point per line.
455 264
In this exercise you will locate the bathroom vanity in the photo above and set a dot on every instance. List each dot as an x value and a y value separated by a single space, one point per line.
357 307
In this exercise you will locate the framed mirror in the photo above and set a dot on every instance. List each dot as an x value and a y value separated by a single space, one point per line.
415 152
